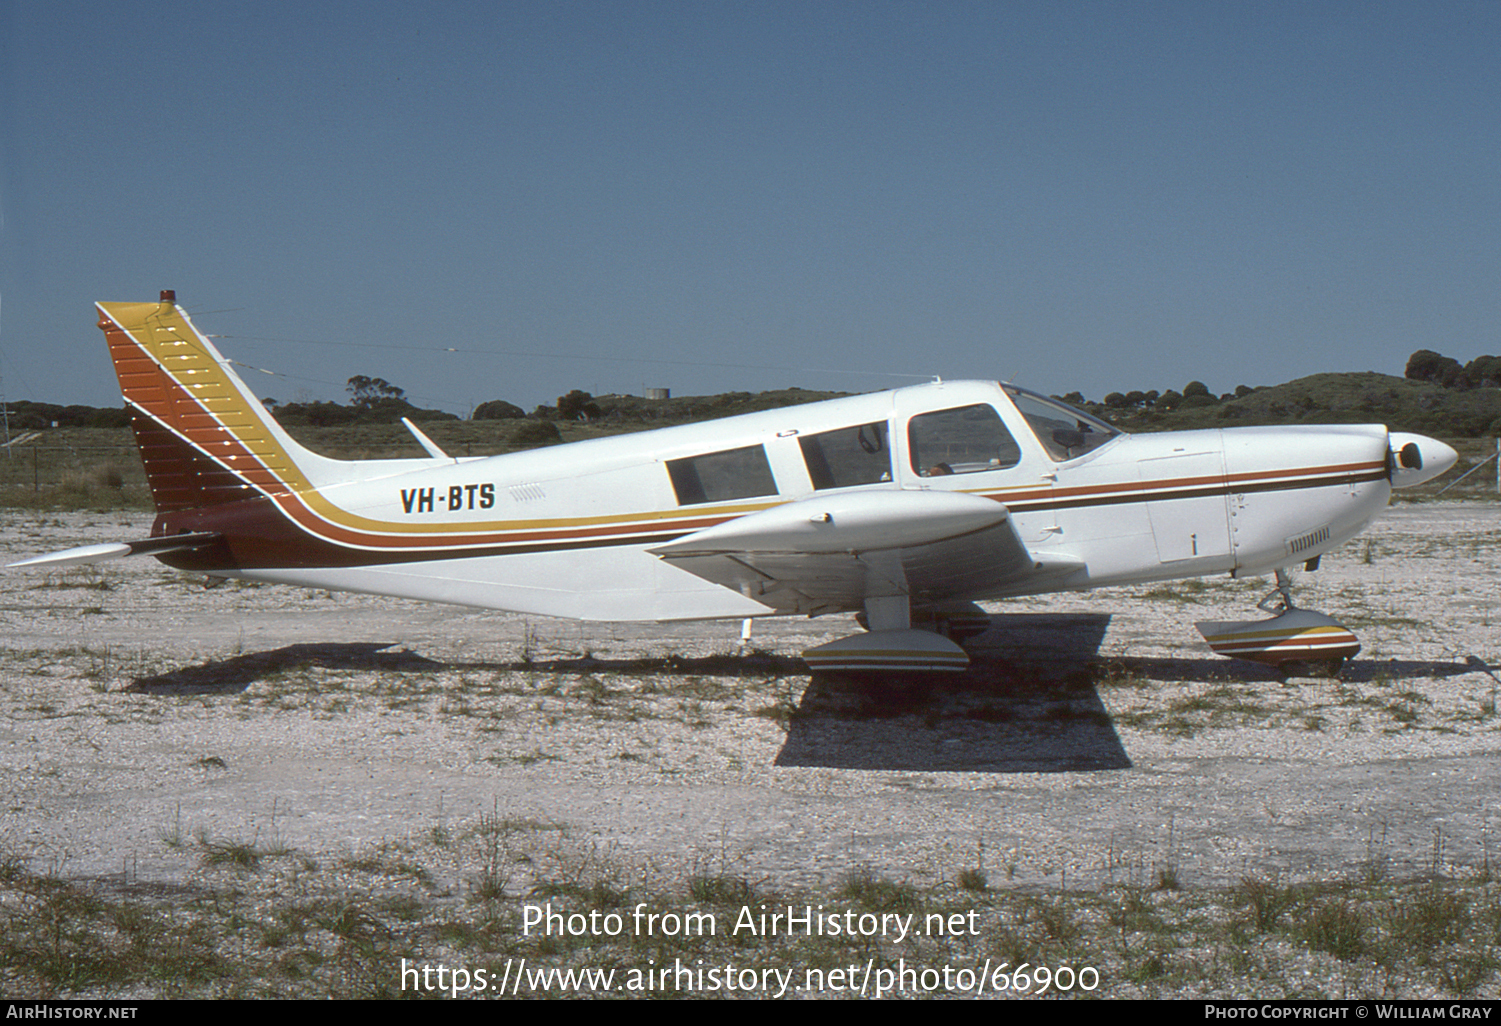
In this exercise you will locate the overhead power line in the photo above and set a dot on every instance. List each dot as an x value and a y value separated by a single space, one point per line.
569 356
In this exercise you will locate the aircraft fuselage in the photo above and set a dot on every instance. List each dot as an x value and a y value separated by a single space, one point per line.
569 530
905 507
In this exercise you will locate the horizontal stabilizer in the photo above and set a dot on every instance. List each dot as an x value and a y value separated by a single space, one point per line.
85 554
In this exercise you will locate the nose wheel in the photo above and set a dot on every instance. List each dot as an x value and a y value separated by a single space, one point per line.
1296 642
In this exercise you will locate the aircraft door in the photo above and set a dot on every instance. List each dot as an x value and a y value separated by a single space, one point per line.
1188 508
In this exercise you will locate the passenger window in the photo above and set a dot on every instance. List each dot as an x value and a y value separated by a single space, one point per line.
965 440
850 456
720 476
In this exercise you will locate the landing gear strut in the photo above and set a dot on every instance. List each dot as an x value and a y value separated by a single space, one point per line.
1280 599
1297 642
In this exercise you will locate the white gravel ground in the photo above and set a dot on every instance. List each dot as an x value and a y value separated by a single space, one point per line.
1097 739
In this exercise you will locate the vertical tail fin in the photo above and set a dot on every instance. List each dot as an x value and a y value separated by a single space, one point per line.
204 437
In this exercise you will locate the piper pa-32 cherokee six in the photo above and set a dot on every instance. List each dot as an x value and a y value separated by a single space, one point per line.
904 507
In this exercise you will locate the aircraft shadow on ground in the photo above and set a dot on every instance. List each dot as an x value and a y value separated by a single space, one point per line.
228 676
1217 668
749 664
1027 704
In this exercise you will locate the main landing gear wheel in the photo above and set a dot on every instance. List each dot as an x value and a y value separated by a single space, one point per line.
889 651
1296 642
893 643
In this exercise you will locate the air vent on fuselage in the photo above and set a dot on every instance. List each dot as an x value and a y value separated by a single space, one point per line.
1308 541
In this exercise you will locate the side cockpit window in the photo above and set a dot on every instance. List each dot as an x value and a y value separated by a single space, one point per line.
721 476
964 440
850 456
1065 432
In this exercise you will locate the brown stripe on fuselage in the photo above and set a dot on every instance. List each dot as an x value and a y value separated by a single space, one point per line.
258 536
203 473
163 400
1327 476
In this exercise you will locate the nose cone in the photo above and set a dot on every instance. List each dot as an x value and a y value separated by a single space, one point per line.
1417 458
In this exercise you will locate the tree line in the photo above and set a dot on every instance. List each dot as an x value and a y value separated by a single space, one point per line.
1447 372
1195 393
377 401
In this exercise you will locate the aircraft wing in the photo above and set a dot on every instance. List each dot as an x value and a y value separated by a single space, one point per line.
830 553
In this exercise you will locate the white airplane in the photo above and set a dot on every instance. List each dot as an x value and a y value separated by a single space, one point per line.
904 507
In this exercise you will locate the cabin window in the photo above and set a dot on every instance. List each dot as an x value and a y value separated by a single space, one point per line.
850 456
721 476
1064 431
964 440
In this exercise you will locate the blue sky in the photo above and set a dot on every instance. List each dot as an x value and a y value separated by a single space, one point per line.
508 200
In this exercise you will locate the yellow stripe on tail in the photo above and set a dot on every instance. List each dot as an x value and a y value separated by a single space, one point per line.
204 437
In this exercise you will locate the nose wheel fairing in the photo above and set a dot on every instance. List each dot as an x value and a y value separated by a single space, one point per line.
1295 636
1294 640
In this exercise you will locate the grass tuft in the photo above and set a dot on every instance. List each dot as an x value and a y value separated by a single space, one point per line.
973 880
865 887
720 890
1335 925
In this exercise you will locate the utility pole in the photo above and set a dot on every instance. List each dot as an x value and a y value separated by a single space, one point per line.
5 416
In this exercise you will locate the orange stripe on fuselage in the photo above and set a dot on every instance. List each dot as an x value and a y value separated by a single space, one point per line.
183 386
1147 491
264 463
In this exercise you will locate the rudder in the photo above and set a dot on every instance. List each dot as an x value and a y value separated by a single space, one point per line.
204 437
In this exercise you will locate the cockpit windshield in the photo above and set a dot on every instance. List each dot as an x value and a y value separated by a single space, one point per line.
1065 432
